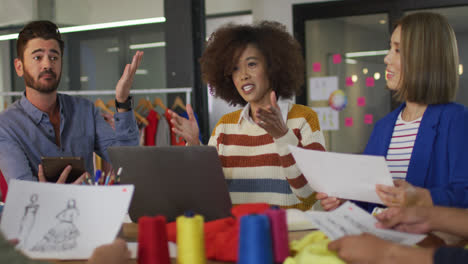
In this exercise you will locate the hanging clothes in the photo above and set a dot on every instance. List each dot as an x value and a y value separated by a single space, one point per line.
163 133
151 128
175 139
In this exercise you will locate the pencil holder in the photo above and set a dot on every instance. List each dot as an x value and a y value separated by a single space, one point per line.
279 233
190 239
255 240
152 240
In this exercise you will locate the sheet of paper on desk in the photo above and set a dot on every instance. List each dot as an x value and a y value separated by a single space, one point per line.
346 176
349 219
297 220
63 221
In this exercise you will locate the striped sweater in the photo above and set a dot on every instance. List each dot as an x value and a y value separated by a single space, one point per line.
259 168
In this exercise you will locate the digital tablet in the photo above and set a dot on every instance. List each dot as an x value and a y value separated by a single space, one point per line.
54 166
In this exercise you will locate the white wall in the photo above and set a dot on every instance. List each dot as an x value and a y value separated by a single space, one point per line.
16 12
278 10
213 7
100 11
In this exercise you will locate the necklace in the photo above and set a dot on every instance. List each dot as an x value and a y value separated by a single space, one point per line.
414 115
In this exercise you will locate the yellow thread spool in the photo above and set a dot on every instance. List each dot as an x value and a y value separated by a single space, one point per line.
190 239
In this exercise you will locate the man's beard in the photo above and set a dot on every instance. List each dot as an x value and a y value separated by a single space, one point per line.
38 86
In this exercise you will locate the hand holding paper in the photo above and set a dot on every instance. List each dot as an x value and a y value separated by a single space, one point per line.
346 176
349 219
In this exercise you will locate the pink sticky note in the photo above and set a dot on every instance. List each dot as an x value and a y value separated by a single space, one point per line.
368 119
336 58
348 121
316 67
370 82
349 81
361 101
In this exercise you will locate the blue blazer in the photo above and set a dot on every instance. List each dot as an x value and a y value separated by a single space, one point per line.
439 161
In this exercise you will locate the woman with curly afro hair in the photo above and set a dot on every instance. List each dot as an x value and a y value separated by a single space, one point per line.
252 66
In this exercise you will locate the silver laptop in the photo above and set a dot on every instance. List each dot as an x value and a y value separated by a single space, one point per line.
172 180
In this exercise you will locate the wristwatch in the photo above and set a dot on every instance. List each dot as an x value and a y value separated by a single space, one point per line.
127 105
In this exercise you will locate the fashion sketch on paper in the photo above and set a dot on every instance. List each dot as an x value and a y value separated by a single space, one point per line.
63 235
27 221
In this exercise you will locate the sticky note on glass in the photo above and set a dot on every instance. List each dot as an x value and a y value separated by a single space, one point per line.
316 66
370 82
368 119
349 81
348 121
361 101
336 58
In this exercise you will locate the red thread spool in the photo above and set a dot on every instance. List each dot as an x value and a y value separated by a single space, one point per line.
279 233
152 240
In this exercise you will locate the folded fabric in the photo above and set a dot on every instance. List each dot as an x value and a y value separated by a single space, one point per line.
313 248
222 235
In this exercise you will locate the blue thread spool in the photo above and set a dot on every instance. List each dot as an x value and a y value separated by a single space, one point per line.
255 246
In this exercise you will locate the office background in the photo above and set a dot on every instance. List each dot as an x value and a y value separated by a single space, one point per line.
94 59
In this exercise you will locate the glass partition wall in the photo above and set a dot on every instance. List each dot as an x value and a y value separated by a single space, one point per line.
344 45
99 57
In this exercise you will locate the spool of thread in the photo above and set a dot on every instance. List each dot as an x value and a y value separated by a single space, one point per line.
190 239
255 245
279 233
152 241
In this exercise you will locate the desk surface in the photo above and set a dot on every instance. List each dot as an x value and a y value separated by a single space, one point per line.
130 233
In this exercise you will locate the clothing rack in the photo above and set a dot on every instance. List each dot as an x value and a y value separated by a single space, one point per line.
186 90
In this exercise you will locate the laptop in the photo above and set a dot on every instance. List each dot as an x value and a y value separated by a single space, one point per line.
172 180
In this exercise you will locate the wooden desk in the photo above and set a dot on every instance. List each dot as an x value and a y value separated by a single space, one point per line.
130 233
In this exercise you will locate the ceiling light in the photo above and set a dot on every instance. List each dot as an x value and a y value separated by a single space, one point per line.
377 75
365 70
113 49
460 69
141 72
382 21
147 45
366 53
125 23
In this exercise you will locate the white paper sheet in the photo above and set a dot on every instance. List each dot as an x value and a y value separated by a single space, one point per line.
346 176
349 219
320 88
61 221
328 118
297 220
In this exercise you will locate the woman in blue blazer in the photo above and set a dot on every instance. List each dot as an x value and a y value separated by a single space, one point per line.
425 139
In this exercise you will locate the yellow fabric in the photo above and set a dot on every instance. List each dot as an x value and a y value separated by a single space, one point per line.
313 248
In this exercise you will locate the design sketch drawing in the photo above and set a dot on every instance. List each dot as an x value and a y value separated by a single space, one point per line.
62 236
27 221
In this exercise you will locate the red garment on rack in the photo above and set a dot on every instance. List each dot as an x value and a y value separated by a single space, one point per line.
175 140
222 235
151 128
3 186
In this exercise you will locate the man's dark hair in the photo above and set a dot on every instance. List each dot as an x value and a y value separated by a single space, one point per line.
38 29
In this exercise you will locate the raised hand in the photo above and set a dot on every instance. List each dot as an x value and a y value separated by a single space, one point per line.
122 89
186 128
270 119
